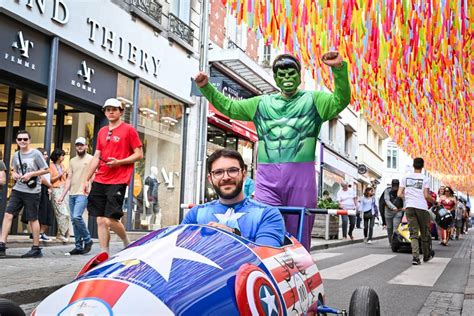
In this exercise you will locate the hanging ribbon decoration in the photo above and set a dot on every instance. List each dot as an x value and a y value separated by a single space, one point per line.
411 67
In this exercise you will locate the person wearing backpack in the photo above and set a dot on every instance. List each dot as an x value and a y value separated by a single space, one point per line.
390 204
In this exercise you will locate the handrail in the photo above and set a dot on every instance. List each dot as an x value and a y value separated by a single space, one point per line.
300 211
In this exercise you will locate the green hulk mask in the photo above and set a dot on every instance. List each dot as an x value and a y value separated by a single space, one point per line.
287 74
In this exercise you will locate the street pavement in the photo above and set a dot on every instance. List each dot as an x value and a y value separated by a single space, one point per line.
437 287
28 281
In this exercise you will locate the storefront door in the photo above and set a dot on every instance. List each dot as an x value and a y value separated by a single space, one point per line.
29 113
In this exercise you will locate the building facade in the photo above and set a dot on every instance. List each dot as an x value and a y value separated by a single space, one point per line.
371 154
60 60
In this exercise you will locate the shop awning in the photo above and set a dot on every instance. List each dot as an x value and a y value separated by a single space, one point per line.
236 63
241 128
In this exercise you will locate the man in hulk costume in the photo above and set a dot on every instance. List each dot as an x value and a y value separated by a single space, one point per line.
288 125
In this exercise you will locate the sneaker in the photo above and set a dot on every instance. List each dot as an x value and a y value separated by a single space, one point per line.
75 251
43 237
432 254
3 249
62 239
35 252
416 261
88 247
369 241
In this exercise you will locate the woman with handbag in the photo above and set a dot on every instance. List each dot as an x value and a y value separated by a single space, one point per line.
58 180
367 203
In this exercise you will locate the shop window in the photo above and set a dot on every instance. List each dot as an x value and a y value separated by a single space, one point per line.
158 176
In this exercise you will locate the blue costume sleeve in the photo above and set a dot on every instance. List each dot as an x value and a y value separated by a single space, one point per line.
191 217
271 231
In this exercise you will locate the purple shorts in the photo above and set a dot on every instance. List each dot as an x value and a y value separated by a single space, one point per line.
289 184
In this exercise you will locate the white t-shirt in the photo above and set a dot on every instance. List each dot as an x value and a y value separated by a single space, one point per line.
346 199
414 183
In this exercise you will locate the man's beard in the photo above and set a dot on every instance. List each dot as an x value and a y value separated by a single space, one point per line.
232 194
81 154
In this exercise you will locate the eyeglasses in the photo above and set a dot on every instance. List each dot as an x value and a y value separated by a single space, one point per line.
231 172
109 135
22 139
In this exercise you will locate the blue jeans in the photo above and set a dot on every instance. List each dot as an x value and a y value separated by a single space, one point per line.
77 205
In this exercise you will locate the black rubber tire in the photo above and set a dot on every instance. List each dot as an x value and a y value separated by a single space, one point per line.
395 246
364 302
10 308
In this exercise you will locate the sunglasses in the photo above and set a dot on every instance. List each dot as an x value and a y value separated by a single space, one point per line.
109 135
22 139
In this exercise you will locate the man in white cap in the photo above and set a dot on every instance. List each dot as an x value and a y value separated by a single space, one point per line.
78 167
118 148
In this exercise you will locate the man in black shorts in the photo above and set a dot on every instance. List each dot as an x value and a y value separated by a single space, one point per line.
118 147
28 166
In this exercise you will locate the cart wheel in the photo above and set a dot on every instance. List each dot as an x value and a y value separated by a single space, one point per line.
364 302
395 246
10 308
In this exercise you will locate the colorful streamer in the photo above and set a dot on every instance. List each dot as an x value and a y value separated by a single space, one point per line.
411 67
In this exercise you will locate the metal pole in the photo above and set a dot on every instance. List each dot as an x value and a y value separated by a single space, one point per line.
8 148
134 121
321 170
53 67
202 137
184 137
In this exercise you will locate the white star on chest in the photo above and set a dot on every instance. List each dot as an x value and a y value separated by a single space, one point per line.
230 214
159 254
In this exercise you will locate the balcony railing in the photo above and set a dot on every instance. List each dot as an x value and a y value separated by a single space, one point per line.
150 7
181 29
233 45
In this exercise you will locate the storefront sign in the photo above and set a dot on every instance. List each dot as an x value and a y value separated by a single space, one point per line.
84 77
114 38
362 169
24 51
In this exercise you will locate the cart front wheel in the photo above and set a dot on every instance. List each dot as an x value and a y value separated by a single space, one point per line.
364 302
8 307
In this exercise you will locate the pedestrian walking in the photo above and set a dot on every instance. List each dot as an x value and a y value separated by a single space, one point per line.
414 188
347 201
459 218
78 167
28 166
3 176
369 213
118 148
45 209
288 124
58 181
449 203
393 208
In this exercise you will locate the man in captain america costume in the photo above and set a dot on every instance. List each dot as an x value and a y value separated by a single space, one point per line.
288 124
233 211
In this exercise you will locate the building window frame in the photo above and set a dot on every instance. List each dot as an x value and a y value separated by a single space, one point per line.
392 157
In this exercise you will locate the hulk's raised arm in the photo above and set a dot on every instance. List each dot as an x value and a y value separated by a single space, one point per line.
243 110
330 104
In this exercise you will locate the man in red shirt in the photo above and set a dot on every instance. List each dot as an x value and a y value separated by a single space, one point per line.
118 148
